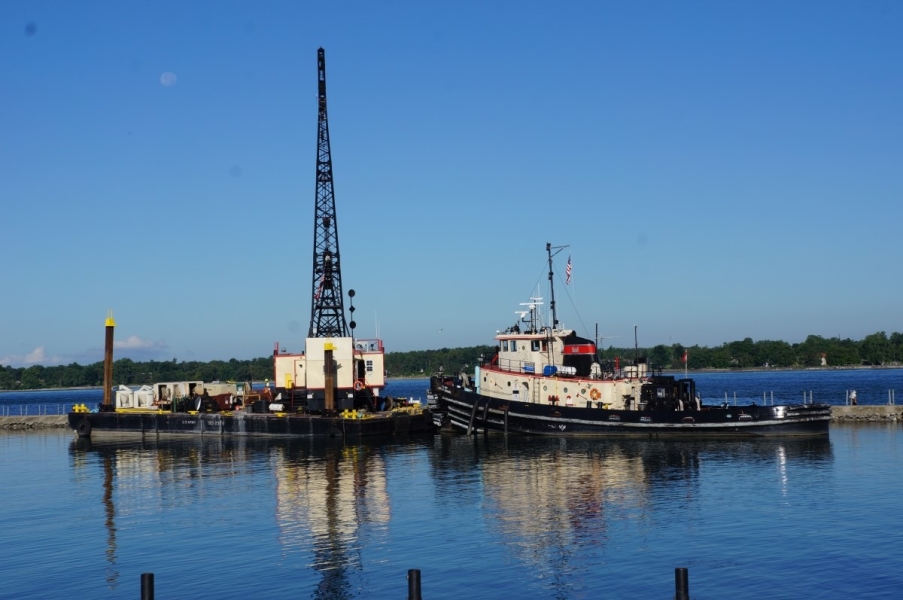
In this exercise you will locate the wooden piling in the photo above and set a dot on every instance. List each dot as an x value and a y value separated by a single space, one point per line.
108 361
329 379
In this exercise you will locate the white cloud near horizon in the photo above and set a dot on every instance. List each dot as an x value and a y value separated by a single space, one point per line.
38 356
133 347
133 342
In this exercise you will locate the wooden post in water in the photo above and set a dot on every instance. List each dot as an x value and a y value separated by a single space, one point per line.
329 380
681 584
108 361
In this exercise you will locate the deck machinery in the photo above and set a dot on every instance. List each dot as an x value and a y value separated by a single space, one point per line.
337 371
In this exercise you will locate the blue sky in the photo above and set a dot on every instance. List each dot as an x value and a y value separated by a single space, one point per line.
719 170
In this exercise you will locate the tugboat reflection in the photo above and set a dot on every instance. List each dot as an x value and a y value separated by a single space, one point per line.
325 491
551 499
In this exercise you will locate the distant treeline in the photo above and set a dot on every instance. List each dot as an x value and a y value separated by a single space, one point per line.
129 372
875 349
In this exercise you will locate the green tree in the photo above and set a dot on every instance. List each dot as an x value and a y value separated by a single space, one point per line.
7 378
875 348
896 347
73 375
124 371
32 378
660 356
774 353
743 353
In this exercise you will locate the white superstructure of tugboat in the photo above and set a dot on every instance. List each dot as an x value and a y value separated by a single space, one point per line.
547 380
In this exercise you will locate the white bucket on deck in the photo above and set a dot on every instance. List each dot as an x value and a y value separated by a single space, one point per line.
124 397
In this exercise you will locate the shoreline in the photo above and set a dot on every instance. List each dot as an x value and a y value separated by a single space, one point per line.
845 415
54 389
763 369
668 371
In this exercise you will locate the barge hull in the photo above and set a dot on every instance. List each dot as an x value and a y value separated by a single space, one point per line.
92 424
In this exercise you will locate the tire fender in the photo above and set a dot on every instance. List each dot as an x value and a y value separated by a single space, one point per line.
83 428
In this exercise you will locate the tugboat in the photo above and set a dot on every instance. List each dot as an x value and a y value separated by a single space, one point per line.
546 380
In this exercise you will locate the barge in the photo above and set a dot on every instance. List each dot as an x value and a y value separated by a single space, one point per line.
332 389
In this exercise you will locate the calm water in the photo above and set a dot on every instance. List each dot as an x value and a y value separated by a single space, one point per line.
481 517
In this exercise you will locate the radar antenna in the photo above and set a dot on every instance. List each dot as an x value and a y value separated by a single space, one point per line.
532 310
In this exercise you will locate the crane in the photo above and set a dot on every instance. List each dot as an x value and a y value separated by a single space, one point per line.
336 371
327 313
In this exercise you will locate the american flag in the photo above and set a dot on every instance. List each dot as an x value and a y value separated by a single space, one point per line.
567 271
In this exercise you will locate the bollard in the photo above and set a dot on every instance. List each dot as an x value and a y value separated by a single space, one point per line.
147 586
414 584
681 584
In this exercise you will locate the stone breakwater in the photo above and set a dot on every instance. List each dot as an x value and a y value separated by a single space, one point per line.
34 422
867 414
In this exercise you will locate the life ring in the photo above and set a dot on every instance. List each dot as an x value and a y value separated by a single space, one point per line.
83 428
358 386
595 394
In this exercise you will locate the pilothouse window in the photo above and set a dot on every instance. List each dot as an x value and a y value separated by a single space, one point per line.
504 345
534 345
513 345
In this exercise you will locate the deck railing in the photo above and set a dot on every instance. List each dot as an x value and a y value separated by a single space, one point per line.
517 366
35 410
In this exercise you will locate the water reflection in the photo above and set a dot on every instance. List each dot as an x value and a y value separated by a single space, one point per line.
110 521
557 508
552 501
322 500
323 491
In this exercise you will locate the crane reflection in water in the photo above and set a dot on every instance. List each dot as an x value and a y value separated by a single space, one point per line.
322 501
322 491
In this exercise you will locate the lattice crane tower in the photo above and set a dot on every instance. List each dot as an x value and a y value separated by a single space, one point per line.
327 313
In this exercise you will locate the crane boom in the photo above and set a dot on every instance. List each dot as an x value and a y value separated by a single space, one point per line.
327 313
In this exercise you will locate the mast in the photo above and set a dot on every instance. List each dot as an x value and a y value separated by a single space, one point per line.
327 313
549 249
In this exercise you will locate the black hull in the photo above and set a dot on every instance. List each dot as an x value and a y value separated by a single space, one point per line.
467 411
249 424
